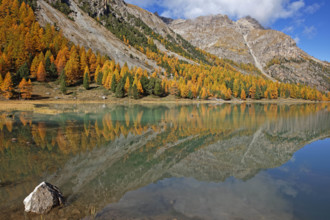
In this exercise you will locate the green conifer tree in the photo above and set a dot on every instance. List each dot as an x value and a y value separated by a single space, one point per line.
86 81
63 82
99 78
151 86
24 71
52 71
134 93
158 91
258 93
113 84
120 89
47 67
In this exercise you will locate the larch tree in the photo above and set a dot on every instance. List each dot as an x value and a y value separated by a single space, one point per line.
127 85
41 74
34 67
83 61
7 86
204 94
25 88
72 68
184 91
174 90
253 91
243 95
92 63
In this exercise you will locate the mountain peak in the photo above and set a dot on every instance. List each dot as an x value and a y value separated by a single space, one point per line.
165 19
248 23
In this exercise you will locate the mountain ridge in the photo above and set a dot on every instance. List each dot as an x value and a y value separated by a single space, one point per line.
273 52
244 41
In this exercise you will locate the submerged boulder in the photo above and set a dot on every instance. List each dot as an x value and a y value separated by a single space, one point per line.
43 198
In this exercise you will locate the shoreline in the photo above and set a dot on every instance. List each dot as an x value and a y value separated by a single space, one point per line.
30 104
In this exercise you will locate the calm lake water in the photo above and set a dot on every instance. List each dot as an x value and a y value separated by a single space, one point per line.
248 161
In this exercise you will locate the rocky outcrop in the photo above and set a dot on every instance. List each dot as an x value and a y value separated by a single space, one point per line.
215 34
246 41
43 198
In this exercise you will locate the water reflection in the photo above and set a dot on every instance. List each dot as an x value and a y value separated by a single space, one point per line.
97 154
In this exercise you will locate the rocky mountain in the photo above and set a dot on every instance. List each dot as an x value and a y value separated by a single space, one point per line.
120 30
106 26
246 41
83 30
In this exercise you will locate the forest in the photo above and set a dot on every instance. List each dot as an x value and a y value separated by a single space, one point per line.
30 53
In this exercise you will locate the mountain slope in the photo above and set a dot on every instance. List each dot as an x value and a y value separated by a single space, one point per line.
87 32
246 41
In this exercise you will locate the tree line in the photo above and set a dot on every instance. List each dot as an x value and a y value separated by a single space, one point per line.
31 53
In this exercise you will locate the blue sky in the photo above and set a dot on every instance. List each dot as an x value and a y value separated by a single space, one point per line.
307 21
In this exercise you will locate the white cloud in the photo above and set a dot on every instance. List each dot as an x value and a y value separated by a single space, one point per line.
311 9
297 40
310 31
265 11
288 29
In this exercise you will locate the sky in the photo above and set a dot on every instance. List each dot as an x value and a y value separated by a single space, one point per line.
306 21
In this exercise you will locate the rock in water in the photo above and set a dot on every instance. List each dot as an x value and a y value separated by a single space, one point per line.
43 198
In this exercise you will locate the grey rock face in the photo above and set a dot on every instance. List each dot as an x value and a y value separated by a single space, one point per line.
215 34
43 198
246 41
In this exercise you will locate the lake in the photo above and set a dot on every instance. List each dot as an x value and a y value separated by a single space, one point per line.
229 161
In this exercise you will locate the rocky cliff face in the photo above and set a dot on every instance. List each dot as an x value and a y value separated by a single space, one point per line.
246 41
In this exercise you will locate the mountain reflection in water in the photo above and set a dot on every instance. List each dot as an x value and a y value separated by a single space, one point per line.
178 161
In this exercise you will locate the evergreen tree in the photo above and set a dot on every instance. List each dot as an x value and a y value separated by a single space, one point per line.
144 82
120 89
86 81
190 95
47 67
134 93
287 93
158 91
24 71
52 71
63 82
113 84
15 78
99 78
258 93
151 86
